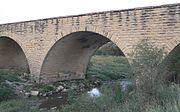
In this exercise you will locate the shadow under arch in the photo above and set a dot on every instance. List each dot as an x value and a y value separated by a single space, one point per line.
12 55
68 58
172 65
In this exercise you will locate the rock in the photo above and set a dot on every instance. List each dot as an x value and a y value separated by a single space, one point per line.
40 94
53 108
44 95
73 87
27 94
97 83
59 88
21 92
49 93
25 74
60 97
34 93
64 90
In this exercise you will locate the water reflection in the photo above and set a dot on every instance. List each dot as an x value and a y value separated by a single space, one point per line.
94 93
54 101
125 84
58 99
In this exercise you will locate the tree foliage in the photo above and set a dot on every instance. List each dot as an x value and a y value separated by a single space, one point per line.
146 62
109 49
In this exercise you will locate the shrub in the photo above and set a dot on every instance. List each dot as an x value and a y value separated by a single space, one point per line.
151 94
6 92
146 65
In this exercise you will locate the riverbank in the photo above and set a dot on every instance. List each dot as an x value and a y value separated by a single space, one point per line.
72 96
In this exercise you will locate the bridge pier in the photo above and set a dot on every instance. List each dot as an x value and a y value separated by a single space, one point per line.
60 48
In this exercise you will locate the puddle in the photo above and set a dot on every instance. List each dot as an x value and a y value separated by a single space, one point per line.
57 100
54 101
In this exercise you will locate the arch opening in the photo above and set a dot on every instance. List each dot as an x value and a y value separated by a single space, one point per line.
12 56
108 63
172 65
69 57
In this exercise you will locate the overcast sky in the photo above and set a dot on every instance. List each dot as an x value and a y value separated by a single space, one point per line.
23 10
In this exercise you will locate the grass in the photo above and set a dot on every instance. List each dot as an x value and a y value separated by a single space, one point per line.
166 99
84 103
108 67
11 106
151 95
114 100
8 75
17 105
6 91
40 87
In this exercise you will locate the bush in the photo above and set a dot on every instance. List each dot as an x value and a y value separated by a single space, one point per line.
146 66
151 76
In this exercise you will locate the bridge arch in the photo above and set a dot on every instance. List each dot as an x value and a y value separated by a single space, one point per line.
172 64
12 55
68 58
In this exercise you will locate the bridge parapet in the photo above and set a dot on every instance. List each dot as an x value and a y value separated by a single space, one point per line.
159 24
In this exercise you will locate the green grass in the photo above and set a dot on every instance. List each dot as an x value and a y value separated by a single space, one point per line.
150 96
18 105
6 91
84 103
108 67
40 87
8 75
166 99
11 106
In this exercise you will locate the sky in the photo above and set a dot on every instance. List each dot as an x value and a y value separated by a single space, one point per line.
24 10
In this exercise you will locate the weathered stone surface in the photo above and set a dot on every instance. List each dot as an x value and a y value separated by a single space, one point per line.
60 48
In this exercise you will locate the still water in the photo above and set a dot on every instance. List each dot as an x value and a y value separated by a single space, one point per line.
59 99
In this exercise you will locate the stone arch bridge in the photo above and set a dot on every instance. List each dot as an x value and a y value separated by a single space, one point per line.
60 48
